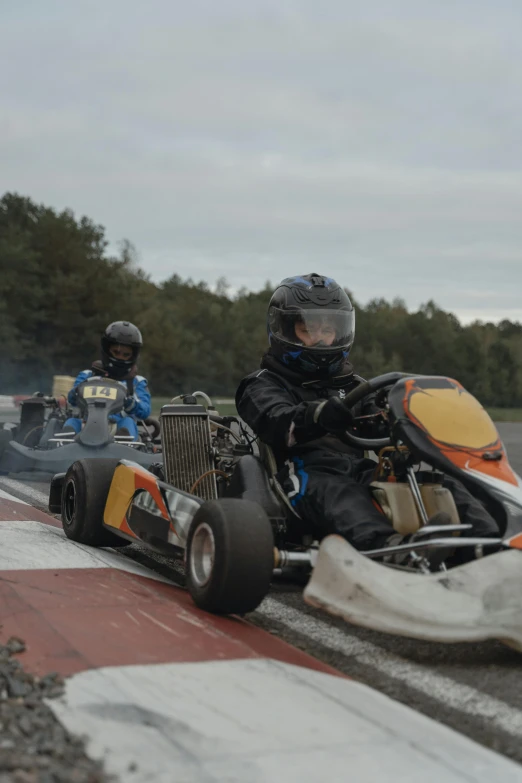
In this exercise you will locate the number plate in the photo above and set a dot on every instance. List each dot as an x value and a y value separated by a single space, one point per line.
100 392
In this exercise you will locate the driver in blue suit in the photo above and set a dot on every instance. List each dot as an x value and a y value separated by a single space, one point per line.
294 404
120 347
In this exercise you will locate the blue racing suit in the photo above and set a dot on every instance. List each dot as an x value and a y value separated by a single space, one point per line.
137 405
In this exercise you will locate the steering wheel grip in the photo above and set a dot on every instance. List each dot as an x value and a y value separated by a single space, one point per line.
369 387
363 390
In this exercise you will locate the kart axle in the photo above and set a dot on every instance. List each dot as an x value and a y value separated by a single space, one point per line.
284 559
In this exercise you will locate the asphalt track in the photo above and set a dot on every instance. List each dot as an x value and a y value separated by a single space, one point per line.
473 688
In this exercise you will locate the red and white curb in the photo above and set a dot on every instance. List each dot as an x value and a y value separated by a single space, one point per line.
10 402
165 692
7 402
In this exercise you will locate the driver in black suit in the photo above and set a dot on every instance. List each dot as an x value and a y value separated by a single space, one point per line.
294 404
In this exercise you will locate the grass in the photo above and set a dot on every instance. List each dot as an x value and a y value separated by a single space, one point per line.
505 414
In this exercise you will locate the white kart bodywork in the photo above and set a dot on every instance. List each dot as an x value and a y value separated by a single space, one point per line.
473 602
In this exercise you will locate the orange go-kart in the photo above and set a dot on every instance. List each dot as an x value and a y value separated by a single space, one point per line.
217 505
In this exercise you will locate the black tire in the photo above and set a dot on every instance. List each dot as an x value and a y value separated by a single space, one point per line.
6 436
237 578
84 494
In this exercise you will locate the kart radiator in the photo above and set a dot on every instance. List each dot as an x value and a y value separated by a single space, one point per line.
187 449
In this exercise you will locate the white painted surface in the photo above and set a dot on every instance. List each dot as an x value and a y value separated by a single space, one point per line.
29 545
461 697
473 602
7 496
449 692
26 489
261 720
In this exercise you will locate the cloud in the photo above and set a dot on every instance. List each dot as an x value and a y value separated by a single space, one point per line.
378 142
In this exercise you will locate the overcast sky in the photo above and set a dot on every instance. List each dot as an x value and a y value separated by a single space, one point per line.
377 142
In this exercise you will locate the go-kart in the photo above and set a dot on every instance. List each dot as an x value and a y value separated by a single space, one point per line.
218 506
40 444
40 417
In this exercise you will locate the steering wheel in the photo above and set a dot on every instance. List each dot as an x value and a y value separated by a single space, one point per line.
363 390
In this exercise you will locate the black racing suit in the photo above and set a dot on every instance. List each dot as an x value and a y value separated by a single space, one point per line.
326 480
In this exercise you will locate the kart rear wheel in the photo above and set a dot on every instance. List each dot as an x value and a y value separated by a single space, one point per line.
229 556
84 494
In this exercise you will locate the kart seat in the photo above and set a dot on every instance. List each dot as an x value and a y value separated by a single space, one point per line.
250 482
269 461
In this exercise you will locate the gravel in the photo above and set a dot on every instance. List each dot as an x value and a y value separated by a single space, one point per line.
34 746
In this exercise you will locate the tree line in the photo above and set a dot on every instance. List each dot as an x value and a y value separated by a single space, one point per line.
59 288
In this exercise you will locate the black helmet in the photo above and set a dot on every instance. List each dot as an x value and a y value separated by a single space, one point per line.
120 333
319 307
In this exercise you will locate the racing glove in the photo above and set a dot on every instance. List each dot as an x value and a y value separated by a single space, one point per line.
129 404
333 415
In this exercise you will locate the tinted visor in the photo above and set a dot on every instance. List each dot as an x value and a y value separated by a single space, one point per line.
120 352
319 329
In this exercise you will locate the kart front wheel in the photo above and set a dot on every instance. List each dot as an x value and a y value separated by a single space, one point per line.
229 556
84 494
6 436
